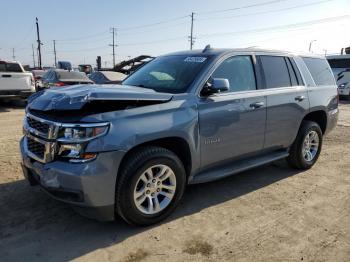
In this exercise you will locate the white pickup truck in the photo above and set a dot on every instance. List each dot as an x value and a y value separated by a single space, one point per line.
15 82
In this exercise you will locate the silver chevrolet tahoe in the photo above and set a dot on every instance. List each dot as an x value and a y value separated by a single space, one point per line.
184 118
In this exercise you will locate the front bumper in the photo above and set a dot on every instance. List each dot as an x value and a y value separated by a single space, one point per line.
89 187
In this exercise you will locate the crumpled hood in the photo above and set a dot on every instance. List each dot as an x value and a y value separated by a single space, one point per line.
75 97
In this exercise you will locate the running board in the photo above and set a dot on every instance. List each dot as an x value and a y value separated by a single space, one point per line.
237 167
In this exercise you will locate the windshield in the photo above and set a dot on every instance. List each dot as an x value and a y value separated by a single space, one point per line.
341 69
171 74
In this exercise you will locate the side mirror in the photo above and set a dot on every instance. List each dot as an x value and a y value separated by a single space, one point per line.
216 85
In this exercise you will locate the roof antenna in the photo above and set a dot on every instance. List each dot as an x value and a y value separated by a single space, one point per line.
206 48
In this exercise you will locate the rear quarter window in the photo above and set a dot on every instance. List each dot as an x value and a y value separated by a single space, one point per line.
320 71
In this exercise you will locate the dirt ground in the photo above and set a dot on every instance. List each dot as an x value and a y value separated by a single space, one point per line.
271 213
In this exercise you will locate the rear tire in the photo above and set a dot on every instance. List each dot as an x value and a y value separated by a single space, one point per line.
146 194
307 146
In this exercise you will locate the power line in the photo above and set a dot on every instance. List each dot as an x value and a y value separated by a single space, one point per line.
152 30
267 12
152 24
307 23
242 7
83 37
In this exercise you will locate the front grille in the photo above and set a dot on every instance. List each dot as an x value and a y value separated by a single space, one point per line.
39 126
36 148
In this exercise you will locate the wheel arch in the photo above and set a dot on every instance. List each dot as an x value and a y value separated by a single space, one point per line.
178 145
319 117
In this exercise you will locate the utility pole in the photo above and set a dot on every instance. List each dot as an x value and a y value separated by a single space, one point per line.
33 56
310 45
113 31
54 51
13 54
191 36
39 42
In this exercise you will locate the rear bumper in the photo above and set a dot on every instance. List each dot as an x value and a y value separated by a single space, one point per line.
15 94
332 119
89 187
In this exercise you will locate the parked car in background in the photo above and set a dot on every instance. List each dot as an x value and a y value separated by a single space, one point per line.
64 65
15 82
340 65
107 77
59 77
37 74
184 118
87 69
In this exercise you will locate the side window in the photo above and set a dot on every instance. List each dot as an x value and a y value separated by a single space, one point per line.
239 71
275 71
320 71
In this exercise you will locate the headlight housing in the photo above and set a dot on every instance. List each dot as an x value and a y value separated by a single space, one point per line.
81 132
73 139
343 85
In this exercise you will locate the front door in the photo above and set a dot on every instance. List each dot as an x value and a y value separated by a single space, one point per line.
232 123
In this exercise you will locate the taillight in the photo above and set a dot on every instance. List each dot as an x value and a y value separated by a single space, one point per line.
59 84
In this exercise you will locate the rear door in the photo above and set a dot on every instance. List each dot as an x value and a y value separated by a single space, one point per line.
287 100
232 123
13 77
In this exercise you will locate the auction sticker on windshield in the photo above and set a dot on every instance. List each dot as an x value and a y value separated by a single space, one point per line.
195 59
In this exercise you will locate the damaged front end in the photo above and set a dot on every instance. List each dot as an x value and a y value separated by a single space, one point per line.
55 128
74 103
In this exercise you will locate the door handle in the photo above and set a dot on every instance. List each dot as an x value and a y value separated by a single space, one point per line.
299 98
7 76
256 105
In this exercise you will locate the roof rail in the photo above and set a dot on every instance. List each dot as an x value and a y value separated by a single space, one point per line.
206 48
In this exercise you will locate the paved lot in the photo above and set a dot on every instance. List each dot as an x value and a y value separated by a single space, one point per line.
271 213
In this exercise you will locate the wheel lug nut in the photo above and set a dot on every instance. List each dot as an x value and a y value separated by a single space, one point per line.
148 185
152 194
158 183
158 190
153 180
147 192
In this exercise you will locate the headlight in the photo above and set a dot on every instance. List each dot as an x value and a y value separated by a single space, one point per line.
73 140
343 85
81 133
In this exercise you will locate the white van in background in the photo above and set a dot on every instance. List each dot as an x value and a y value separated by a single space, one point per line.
15 82
340 65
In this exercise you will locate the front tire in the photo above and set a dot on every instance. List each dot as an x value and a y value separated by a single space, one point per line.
307 146
150 186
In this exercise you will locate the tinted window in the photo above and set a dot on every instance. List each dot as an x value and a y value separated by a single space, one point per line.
173 74
319 70
10 67
70 75
339 63
239 71
275 71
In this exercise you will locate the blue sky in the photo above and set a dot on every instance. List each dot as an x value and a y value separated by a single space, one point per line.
82 28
